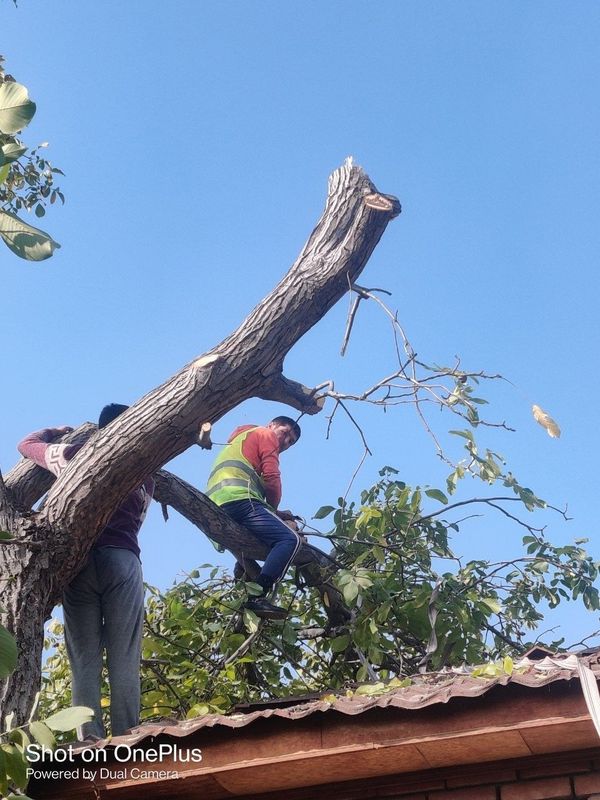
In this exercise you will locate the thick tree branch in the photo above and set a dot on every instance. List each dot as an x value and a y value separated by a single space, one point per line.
165 422
205 515
283 390
315 566
29 482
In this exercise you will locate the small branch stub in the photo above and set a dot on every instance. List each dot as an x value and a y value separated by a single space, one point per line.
382 202
204 436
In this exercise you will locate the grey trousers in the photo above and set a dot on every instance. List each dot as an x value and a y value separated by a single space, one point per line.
104 609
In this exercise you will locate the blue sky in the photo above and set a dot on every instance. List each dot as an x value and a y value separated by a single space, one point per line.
197 139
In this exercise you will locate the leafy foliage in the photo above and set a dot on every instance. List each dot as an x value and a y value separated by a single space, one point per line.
27 177
414 605
15 741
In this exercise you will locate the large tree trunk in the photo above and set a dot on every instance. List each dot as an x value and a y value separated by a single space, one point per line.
24 585
54 541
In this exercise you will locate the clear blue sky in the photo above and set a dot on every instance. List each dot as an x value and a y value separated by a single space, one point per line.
197 139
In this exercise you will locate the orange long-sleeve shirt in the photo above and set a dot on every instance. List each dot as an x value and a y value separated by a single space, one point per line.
261 449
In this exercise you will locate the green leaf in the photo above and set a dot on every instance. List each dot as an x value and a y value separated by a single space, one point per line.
367 513
20 738
16 765
370 689
11 152
488 671
466 434
350 591
494 605
69 718
323 512
42 734
250 621
16 109
436 494
415 501
3 780
328 698
199 710
4 173
24 240
8 653
539 566
399 683
5 536
340 643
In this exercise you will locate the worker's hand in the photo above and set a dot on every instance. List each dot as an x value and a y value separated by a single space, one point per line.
292 522
60 431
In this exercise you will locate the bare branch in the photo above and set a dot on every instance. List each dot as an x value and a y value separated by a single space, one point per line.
243 648
282 390
530 528
355 473
486 500
584 641
502 636
349 324
3 493
358 428
416 389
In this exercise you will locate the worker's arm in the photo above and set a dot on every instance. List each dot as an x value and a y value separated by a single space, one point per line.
39 447
261 448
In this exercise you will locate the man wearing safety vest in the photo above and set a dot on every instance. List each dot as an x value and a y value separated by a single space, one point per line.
245 481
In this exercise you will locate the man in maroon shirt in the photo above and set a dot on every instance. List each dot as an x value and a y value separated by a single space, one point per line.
104 604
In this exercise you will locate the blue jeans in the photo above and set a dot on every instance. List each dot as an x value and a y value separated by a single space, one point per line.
104 609
283 542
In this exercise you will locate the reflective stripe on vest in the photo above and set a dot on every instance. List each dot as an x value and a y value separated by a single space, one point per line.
233 477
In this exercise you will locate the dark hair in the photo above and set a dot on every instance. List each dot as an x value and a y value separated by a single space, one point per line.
290 423
109 413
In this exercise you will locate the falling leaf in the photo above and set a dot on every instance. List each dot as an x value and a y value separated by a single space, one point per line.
546 421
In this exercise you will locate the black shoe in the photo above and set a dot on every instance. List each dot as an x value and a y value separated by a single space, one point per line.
262 608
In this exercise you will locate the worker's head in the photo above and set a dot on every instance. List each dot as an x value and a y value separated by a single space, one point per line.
109 413
286 430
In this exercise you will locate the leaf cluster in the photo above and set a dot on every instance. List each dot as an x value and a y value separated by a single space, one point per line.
414 606
27 177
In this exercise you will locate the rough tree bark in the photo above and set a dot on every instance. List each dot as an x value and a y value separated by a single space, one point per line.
51 544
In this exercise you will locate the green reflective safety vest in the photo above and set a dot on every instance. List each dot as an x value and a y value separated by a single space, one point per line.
233 477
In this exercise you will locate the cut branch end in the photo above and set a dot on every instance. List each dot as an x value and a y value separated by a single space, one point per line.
204 439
